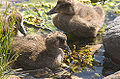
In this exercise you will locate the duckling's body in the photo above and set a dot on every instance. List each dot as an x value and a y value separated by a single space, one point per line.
37 51
18 26
77 19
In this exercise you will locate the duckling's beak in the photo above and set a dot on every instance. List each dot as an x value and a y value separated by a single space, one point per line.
67 48
52 11
22 29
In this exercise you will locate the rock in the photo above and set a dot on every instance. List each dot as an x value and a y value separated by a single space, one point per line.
46 73
75 77
37 73
94 48
13 77
111 41
109 67
113 76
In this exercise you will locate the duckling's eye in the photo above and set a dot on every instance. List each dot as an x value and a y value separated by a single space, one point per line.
61 40
68 3
65 5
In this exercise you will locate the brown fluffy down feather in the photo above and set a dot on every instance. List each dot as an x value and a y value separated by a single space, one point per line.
78 19
36 51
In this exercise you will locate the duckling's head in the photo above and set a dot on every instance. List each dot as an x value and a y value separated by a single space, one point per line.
18 22
64 7
57 40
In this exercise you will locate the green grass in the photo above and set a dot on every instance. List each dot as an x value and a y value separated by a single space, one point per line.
5 45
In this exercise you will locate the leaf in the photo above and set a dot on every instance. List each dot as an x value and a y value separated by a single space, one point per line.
68 60
97 74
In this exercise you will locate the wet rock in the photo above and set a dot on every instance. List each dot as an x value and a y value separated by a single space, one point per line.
46 73
94 48
109 67
111 41
61 73
76 77
113 76
13 77
37 73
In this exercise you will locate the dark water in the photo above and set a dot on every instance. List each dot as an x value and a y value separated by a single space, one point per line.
98 67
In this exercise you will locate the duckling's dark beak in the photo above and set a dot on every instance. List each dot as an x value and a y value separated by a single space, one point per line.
52 11
22 29
67 48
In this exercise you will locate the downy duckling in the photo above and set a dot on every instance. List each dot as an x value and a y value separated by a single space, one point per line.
36 51
19 29
77 19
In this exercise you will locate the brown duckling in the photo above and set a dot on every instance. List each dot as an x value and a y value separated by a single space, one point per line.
36 51
18 27
77 19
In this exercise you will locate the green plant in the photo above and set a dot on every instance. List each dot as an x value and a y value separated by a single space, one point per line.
79 59
5 44
35 15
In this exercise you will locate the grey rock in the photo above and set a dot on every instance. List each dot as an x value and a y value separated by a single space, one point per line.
116 75
111 41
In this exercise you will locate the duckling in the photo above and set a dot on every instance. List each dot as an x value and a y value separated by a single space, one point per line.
36 51
19 28
77 19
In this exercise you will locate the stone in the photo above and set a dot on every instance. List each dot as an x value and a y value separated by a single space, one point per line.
111 41
116 75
